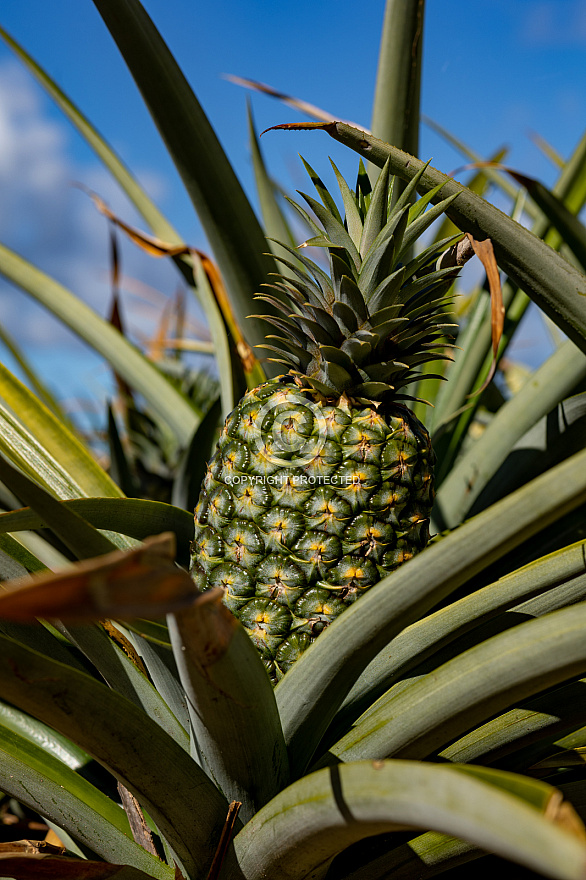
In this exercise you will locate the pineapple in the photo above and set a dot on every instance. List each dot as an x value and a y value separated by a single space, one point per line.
322 479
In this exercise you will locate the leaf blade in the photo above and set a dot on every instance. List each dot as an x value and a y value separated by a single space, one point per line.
186 807
306 825
233 710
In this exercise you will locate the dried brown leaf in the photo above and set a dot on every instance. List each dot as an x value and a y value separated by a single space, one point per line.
114 261
153 246
485 252
136 820
125 645
44 866
560 812
29 847
116 321
207 628
330 127
156 247
156 347
296 103
122 584
224 841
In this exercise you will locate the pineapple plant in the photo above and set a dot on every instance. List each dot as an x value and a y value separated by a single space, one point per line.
441 716
322 479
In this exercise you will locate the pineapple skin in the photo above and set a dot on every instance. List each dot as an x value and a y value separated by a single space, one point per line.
307 504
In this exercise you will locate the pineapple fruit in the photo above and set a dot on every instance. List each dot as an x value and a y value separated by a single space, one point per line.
322 479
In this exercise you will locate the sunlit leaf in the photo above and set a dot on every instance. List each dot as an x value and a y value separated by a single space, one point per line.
542 273
315 818
233 710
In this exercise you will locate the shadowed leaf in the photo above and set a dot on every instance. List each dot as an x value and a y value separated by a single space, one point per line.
44 866
136 517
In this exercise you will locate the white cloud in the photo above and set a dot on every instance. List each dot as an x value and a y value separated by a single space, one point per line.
554 23
50 222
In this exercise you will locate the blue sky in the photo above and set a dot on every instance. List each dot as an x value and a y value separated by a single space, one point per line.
494 71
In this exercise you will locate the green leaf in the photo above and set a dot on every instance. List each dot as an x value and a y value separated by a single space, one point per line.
25 451
417 209
474 343
477 360
275 225
120 466
77 534
134 517
162 669
34 380
192 466
544 275
377 215
494 175
55 437
472 362
417 227
186 807
44 783
189 266
470 688
42 736
530 728
423 856
121 670
131 365
545 388
311 692
232 705
154 631
423 638
335 233
556 436
352 214
300 831
229 222
395 113
16 560
479 183
571 230
45 638
322 191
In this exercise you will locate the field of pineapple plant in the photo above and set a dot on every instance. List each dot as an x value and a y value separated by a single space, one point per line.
364 656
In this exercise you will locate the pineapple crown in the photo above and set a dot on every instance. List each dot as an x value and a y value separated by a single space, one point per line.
365 329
